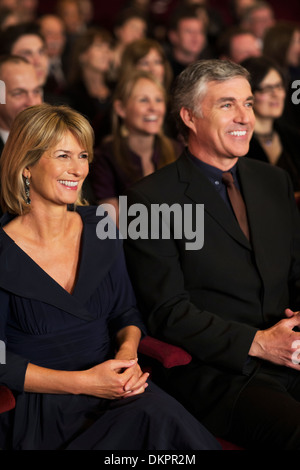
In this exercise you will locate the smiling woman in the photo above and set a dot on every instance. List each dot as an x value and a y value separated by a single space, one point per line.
59 140
138 145
68 305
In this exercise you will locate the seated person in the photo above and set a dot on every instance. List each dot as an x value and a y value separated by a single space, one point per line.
137 146
222 279
68 315
273 141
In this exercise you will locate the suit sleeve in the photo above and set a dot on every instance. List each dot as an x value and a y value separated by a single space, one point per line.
156 274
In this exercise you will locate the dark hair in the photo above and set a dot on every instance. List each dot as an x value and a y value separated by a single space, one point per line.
12 59
224 40
127 14
277 41
12 33
259 67
182 12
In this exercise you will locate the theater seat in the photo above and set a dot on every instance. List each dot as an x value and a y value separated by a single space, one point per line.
7 399
171 356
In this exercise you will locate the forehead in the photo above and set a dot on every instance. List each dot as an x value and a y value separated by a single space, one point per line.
19 75
272 76
143 86
152 53
67 141
237 88
28 41
187 24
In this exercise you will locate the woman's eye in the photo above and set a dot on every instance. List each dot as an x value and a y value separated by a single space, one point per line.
84 155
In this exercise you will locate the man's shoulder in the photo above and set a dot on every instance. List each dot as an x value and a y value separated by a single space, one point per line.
261 169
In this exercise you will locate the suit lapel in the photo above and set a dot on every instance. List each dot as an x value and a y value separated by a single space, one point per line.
257 201
200 190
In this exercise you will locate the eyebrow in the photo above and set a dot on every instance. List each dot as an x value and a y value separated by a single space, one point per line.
69 151
230 98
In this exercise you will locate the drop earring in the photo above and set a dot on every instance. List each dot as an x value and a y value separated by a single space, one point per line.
27 191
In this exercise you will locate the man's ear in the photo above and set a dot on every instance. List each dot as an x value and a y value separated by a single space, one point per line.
119 109
188 118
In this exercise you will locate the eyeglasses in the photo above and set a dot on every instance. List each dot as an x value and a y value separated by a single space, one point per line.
270 88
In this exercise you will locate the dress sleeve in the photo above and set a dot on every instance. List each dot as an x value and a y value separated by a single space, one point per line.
12 366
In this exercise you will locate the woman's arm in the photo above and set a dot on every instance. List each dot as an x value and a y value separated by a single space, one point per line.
115 378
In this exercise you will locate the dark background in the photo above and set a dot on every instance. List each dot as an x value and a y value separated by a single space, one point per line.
106 10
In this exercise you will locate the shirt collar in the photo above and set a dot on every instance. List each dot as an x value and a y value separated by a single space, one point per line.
211 172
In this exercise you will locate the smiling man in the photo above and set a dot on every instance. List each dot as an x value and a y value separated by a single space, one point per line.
231 303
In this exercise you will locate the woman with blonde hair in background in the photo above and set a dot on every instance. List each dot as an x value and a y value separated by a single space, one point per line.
138 145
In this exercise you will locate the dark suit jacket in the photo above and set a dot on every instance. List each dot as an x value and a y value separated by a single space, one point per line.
212 301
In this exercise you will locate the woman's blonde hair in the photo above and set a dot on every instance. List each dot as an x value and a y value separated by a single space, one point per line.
34 131
121 150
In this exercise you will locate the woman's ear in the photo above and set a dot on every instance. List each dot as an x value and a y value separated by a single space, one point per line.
188 118
119 109
26 173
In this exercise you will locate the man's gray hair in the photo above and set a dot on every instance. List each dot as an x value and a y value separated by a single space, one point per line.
191 85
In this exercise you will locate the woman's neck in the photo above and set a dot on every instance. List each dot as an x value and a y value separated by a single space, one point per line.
142 145
46 224
264 126
95 83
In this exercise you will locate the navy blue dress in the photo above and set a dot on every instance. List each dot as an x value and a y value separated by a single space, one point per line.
43 324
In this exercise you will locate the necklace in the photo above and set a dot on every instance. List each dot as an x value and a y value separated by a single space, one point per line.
266 138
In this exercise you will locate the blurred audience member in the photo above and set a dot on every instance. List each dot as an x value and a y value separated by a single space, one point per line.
25 40
26 10
187 38
272 141
147 54
129 26
137 146
238 7
88 90
22 89
214 18
71 14
87 11
10 4
53 30
7 18
282 44
258 18
237 44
